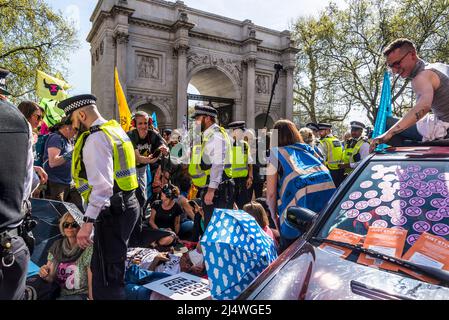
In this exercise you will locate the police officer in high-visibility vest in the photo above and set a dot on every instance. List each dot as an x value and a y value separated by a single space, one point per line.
16 178
211 162
104 172
356 149
332 151
314 127
242 167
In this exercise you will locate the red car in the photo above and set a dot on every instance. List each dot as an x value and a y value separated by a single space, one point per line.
383 235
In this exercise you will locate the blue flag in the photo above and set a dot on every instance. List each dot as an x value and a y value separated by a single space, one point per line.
384 109
153 116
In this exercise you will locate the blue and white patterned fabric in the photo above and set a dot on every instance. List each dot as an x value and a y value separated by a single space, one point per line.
236 250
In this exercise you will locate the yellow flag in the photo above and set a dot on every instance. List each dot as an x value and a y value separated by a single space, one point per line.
50 87
123 110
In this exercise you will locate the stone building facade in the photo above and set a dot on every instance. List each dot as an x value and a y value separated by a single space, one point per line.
159 47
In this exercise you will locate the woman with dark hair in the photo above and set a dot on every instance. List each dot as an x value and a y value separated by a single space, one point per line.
166 213
295 177
34 114
58 163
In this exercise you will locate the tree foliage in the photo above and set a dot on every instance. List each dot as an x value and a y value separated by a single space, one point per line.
32 36
341 66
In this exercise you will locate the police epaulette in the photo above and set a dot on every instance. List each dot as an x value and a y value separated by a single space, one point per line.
94 129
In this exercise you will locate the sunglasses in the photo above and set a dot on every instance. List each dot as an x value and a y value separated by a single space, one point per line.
73 224
397 63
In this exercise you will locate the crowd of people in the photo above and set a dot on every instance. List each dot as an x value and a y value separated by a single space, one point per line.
146 209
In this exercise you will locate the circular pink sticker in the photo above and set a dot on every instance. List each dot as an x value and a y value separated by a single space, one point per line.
397 185
417 202
430 171
388 197
444 212
352 213
436 189
370 194
411 239
380 224
382 210
435 183
399 204
444 193
399 221
396 212
424 193
405 193
364 217
403 177
378 175
434 215
385 185
389 177
355 195
413 211
421 226
444 176
447 201
347 205
419 176
438 202
361 205
420 185
377 167
374 202
413 168
366 184
440 229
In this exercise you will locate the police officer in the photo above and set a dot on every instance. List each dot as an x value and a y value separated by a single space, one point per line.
104 171
210 164
332 151
15 189
242 168
356 149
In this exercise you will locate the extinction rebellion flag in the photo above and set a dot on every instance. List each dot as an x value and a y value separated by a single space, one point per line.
50 87
123 109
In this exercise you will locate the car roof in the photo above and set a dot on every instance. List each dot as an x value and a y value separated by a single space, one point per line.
413 152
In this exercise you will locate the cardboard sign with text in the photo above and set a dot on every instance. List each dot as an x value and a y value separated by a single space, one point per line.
181 286
343 236
428 250
384 240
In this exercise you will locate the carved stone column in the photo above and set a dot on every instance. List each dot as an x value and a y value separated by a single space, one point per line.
250 92
289 93
121 46
181 101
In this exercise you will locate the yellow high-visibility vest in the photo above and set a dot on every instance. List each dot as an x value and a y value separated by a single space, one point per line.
334 152
123 155
240 153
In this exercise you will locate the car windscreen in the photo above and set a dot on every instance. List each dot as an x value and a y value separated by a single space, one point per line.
412 196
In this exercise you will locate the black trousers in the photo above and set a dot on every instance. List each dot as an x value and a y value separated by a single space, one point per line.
258 189
223 199
13 278
112 232
242 195
338 176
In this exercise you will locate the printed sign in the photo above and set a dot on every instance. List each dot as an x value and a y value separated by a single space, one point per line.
428 250
343 236
384 240
182 286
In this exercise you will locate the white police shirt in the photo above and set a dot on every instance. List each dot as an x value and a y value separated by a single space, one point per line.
99 163
215 150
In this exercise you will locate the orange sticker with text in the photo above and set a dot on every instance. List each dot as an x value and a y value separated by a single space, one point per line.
343 236
428 250
386 241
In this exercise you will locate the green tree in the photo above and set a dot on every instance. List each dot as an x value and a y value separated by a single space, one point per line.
32 36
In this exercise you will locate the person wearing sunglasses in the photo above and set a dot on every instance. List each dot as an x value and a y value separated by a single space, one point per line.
68 264
34 114
430 83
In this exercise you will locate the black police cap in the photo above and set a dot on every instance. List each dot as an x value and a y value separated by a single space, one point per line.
237 125
323 126
205 111
71 104
357 125
312 126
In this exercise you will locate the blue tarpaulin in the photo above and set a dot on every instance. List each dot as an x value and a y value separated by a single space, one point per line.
236 250
384 109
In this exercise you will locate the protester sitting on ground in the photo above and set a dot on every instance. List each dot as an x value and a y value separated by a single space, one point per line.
198 220
292 164
166 213
58 163
34 114
256 210
68 264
